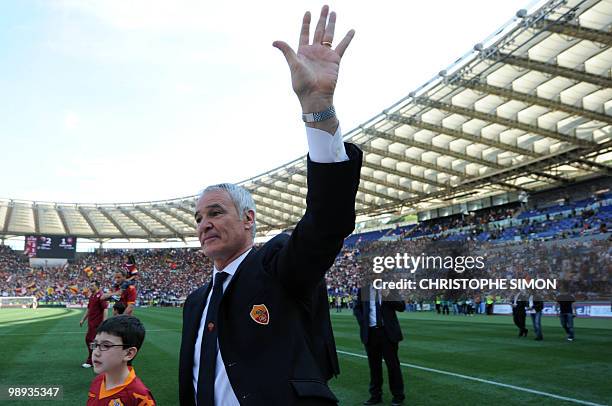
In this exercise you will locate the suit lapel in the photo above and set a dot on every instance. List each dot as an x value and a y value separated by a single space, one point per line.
196 315
245 262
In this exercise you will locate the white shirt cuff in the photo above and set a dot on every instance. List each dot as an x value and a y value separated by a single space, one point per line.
325 148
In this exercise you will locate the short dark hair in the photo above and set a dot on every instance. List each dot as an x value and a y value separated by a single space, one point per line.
128 328
96 283
120 307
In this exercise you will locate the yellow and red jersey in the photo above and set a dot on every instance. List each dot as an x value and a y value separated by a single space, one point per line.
130 270
128 295
132 392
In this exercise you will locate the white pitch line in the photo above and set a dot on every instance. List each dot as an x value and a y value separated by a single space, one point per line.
472 378
74 332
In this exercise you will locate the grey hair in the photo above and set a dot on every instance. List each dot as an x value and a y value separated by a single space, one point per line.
242 199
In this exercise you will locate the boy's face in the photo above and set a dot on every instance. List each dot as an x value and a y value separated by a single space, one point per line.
114 357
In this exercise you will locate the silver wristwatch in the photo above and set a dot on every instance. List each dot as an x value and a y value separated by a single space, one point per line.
320 115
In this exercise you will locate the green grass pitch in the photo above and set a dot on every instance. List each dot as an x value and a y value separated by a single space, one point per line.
441 356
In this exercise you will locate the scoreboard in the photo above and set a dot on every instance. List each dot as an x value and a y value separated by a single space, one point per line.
50 246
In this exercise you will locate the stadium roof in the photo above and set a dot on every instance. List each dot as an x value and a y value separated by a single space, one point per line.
527 108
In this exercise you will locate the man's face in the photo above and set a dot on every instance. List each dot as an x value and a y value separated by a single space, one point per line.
221 231
119 278
112 358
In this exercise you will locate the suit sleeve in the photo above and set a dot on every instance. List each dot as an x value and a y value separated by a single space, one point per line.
358 308
398 305
395 301
185 363
329 219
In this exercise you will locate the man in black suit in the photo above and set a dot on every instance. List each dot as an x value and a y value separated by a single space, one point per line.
519 313
316 313
380 334
248 335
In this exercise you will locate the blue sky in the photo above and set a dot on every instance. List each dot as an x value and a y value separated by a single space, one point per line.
119 101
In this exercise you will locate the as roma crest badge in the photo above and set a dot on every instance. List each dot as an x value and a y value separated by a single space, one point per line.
260 314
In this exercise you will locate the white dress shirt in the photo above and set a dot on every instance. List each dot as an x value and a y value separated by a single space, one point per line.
531 309
322 148
223 390
372 318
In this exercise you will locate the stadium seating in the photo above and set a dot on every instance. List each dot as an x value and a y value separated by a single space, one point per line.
168 275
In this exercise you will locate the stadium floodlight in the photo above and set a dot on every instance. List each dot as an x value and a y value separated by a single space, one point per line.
478 47
442 73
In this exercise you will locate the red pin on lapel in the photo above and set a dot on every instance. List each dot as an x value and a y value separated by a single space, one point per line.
210 326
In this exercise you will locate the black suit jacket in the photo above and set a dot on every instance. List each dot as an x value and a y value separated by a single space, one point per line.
387 309
276 363
324 344
538 305
520 307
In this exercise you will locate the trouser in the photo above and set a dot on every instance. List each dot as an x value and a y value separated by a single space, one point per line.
536 318
445 309
519 319
438 308
567 322
89 337
379 347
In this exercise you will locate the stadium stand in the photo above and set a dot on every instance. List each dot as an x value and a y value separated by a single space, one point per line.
526 109
512 142
562 230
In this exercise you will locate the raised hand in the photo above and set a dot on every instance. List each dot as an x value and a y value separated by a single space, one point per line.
314 69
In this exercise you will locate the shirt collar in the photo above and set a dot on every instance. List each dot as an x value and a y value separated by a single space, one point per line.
232 266
106 393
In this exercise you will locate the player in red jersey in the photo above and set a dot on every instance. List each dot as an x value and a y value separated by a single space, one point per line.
131 271
95 314
116 344
127 293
